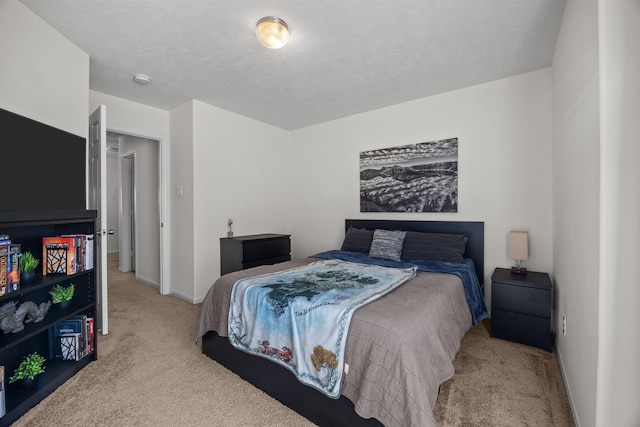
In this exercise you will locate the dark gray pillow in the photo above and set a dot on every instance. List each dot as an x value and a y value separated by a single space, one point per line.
434 246
357 240
387 244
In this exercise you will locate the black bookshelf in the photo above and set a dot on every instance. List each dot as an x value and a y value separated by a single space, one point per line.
28 228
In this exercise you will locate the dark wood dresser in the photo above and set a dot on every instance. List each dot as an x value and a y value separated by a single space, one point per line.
521 307
242 252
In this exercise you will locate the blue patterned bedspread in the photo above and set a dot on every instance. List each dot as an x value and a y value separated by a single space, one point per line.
466 272
270 315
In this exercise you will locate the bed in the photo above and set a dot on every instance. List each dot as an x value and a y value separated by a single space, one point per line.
399 348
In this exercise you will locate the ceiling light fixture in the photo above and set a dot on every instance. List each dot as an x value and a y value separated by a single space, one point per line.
141 79
272 32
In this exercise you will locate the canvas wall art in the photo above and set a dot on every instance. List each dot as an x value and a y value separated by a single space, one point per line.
419 177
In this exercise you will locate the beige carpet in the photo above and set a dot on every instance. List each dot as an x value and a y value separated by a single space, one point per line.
499 383
150 373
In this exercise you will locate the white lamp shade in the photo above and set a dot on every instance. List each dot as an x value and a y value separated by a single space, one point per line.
519 245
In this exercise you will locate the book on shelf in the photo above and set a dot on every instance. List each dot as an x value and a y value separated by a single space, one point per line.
13 268
83 251
85 334
80 250
88 255
90 335
3 407
9 265
59 255
4 262
74 325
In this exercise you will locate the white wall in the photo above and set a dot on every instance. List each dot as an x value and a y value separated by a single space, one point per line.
182 210
504 165
43 76
306 182
576 199
596 93
241 170
619 316
122 113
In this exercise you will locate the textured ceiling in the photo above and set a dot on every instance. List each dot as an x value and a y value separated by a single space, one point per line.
344 57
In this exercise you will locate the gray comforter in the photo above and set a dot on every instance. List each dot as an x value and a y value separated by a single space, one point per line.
399 349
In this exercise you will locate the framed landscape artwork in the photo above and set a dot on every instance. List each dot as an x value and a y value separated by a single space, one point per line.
419 177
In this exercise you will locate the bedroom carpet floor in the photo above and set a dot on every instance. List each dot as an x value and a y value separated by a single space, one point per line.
149 372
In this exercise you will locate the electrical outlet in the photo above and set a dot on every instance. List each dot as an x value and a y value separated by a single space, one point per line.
564 325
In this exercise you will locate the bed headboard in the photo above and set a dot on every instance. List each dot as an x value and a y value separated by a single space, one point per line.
474 230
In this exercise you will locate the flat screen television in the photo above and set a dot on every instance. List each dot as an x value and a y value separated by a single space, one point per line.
43 168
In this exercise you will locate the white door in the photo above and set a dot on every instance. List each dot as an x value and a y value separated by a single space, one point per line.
98 201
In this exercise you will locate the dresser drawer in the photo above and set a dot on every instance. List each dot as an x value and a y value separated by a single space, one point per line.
266 261
267 248
240 252
521 299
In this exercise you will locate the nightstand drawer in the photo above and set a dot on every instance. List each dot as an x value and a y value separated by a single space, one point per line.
521 299
268 248
521 328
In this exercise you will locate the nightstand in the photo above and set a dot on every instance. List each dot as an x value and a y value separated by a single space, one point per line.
242 252
521 307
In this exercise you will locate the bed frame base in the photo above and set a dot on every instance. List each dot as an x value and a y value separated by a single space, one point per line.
279 383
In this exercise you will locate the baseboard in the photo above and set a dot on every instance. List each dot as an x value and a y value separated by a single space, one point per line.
148 282
183 296
576 421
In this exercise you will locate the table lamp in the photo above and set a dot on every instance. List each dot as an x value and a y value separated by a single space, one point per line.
519 250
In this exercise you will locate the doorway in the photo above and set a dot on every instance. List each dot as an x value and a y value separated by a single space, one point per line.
134 208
